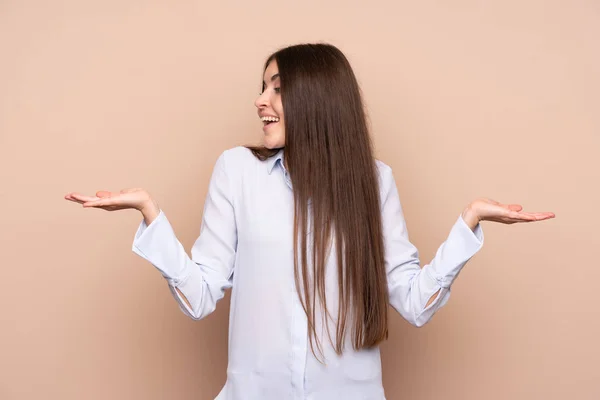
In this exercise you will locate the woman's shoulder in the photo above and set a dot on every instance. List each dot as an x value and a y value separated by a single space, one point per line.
382 167
386 176
240 160
238 155
384 170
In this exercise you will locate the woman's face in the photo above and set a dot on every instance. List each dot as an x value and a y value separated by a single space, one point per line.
270 108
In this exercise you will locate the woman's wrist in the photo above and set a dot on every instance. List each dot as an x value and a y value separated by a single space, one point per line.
150 211
471 217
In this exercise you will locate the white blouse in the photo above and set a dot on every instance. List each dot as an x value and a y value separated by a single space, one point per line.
245 243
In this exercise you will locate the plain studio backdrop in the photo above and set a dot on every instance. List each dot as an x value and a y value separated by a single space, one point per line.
465 98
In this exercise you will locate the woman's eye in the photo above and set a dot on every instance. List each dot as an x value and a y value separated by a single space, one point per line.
277 90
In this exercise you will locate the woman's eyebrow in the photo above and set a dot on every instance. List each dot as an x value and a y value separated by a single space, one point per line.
272 79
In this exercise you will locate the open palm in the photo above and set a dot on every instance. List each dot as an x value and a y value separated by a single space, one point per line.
491 210
135 198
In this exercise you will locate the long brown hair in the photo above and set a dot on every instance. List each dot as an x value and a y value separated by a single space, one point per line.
329 156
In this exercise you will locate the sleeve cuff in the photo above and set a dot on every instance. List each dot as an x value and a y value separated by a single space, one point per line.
460 246
143 227
158 244
477 233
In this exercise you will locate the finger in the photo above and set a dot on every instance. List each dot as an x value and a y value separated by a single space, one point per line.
539 214
528 217
73 200
82 197
104 194
109 201
510 207
514 207
521 216
546 215
130 190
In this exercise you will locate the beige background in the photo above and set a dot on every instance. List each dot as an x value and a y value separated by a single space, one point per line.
466 99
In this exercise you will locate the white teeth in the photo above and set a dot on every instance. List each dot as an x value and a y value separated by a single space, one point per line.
271 119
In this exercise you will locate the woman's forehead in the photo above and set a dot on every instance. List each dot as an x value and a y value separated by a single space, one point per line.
271 73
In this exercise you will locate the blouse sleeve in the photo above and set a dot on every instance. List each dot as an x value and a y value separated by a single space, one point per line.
205 276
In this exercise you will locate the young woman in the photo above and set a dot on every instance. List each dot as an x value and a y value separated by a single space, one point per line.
309 233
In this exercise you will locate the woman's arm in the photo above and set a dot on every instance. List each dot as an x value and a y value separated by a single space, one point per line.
472 220
197 282
415 292
150 212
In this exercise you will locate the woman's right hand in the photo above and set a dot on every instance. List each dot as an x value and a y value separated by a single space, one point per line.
136 198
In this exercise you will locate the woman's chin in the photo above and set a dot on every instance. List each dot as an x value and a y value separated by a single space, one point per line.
271 143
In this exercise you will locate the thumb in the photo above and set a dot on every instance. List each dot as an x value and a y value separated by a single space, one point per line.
103 194
515 207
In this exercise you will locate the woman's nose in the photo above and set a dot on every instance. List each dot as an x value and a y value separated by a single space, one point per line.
261 101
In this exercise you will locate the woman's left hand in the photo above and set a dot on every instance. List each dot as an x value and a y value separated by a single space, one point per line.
484 209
